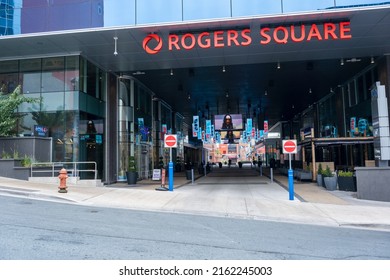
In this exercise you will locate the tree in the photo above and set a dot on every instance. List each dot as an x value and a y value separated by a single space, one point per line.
8 105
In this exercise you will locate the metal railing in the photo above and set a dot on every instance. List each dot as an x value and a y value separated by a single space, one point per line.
73 168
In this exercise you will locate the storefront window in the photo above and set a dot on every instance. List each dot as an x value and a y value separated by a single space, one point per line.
72 73
31 82
8 82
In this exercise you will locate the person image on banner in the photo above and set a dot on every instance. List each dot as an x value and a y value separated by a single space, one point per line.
227 122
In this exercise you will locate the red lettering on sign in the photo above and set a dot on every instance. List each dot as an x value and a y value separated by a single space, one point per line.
264 33
173 40
191 40
218 39
232 36
345 28
314 32
279 34
284 31
330 30
303 34
246 36
206 43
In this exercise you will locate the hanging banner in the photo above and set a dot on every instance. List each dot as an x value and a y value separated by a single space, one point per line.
249 126
164 128
353 126
265 127
200 133
195 126
140 122
208 128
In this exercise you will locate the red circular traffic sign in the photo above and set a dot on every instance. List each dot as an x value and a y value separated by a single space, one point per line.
170 141
289 146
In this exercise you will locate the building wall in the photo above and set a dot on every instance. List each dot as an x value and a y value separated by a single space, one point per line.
54 15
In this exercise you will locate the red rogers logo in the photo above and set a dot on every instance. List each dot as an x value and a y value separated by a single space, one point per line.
149 38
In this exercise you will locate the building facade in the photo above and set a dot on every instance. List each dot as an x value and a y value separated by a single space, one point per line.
95 113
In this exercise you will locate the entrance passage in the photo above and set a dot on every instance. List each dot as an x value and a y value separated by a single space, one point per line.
247 171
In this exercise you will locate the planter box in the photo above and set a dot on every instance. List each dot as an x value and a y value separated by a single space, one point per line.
319 180
347 183
330 183
132 178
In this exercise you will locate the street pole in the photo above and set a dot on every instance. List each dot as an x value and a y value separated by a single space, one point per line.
290 180
170 170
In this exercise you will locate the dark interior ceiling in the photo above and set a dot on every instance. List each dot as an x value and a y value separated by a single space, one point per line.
260 90
250 71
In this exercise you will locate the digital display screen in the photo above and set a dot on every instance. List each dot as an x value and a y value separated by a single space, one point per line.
228 122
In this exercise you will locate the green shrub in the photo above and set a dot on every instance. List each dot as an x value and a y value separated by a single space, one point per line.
132 165
342 173
327 172
26 161
320 170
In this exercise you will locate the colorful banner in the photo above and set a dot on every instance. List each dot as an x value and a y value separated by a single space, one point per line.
249 126
200 133
353 126
208 128
265 127
195 126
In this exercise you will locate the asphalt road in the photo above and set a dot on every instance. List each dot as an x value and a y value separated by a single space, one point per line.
44 230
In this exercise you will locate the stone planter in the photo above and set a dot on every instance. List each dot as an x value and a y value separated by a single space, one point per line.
347 183
330 183
319 180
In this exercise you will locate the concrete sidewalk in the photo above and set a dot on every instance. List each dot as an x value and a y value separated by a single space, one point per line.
225 193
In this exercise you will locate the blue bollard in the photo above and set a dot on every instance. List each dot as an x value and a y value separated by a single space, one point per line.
291 184
170 171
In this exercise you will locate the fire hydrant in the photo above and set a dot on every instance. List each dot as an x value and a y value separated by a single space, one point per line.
63 176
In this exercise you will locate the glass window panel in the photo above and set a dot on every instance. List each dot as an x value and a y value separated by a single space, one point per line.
71 100
53 101
256 7
29 107
30 65
53 81
306 5
8 82
119 12
9 66
53 63
31 82
206 9
154 11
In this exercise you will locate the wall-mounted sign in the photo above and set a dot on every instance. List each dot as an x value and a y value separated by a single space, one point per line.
153 43
40 130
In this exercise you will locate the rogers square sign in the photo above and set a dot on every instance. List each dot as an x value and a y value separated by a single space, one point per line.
153 43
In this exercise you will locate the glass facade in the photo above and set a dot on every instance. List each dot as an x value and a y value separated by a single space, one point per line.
73 118
29 16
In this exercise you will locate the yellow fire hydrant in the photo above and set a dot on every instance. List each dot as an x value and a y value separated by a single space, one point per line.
63 176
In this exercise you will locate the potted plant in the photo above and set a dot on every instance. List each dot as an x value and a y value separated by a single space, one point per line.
132 171
319 175
346 181
330 179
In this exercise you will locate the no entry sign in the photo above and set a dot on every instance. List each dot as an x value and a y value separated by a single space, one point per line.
170 141
289 146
